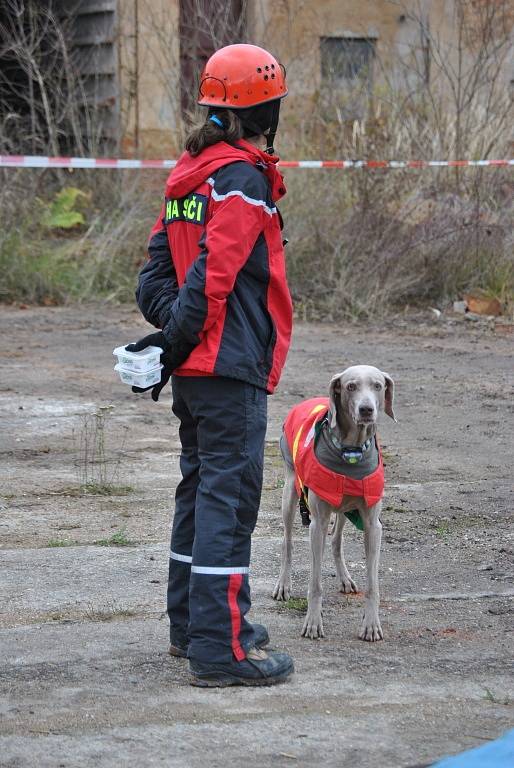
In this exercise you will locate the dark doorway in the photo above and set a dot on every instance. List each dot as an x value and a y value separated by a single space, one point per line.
347 75
58 88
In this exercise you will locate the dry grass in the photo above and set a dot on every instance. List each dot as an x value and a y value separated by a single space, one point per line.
362 242
98 260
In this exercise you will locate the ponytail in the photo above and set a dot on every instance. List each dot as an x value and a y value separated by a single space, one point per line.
210 132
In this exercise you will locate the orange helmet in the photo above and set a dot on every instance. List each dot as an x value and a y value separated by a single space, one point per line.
240 76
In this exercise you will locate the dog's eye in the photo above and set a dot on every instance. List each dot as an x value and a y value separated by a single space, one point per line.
378 386
351 387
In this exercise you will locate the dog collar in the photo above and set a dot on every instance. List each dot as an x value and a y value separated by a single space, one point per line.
349 453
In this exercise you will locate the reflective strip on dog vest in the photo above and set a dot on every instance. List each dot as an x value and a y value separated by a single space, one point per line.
294 451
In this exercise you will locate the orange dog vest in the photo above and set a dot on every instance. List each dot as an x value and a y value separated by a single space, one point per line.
300 432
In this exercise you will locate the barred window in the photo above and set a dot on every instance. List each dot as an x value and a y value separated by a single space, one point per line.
347 73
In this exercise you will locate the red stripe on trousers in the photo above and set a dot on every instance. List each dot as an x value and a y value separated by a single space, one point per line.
234 585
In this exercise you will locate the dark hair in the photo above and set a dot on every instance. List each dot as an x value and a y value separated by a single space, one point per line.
209 133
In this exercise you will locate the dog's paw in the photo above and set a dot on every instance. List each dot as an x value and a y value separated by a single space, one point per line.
347 585
313 626
282 590
371 630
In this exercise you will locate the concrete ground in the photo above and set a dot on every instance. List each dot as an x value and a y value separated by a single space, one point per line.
85 679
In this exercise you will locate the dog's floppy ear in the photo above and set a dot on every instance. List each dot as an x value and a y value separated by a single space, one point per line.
334 392
389 396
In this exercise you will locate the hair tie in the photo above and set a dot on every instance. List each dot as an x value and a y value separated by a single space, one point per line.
215 119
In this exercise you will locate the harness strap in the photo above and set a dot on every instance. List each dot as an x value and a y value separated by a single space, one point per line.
353 515
304 508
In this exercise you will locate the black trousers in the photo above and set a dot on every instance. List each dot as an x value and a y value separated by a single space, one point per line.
222 432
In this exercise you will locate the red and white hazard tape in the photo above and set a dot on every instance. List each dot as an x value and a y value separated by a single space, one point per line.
36 161
390 163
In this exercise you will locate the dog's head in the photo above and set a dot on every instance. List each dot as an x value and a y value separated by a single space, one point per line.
361 392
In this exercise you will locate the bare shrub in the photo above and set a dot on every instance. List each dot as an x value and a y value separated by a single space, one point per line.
361 241
98 466
46 106
98 260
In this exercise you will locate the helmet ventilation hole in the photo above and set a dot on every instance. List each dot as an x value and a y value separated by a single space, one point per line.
266 77
259 69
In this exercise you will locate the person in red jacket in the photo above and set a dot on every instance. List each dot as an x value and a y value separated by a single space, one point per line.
215 284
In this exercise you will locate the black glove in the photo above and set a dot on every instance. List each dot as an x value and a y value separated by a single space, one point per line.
167 359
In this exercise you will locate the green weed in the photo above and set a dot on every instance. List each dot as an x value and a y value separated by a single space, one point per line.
105 489
443 529
296 604
275 485
60 213
490 696
118 539
68 526
109 612
94 489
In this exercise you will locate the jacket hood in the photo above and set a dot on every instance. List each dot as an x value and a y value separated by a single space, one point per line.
190 171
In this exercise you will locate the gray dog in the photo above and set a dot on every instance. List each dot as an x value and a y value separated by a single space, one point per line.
333 460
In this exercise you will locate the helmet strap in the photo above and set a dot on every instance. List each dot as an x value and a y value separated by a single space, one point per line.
270 135
261 120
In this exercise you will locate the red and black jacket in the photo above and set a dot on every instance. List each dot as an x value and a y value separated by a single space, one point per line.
215 279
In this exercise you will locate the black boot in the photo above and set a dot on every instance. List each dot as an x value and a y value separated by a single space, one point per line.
259 668
178 647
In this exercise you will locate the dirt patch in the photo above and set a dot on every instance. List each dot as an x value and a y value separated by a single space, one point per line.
84 664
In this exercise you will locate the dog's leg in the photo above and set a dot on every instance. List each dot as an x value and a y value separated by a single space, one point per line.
282 590
320 518
370 627
346 583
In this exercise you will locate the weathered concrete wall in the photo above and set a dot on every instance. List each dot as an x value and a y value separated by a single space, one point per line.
149 76
292 29
149 59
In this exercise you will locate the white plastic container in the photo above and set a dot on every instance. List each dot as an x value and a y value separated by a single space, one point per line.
138 362
141 379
